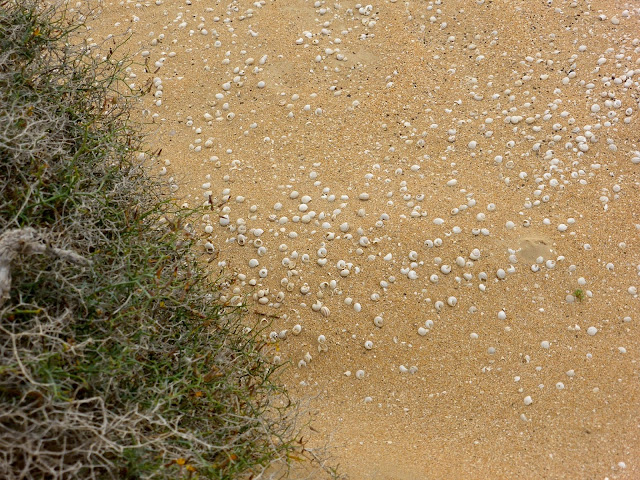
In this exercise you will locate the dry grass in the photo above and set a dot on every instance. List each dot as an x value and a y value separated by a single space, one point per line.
116 360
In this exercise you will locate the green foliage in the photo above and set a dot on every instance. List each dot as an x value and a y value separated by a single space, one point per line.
129 367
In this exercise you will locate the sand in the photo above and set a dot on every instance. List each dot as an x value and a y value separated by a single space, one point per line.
417 82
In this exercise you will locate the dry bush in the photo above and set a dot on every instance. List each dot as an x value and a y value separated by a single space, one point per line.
116 359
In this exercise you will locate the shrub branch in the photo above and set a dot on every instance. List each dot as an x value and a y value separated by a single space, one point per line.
24 242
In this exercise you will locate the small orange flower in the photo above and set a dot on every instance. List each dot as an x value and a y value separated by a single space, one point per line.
181 461
191 468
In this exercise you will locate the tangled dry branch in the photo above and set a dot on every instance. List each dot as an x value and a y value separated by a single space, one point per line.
23 242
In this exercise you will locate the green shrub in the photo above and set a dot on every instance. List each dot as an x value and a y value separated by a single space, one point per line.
116 359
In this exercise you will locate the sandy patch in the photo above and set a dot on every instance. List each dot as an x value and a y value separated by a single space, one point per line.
384 147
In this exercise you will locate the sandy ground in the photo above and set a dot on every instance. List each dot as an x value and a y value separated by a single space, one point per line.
385 144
